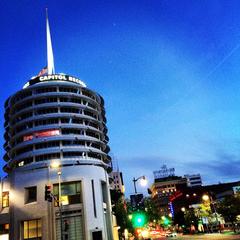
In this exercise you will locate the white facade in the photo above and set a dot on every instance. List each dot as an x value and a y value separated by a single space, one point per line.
193 180
40 209
57 120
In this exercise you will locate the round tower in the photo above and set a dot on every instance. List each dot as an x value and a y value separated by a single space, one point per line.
57 119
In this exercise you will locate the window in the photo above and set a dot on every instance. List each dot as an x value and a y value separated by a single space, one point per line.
47 157
5 199
30 194
4 228
32 229
70 192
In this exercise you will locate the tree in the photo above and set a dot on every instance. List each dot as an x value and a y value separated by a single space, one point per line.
190 217
229 207
120 210
152 211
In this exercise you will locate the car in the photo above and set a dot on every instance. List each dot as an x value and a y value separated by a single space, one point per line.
170 234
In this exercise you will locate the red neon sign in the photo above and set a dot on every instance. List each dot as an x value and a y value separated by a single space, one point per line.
40 134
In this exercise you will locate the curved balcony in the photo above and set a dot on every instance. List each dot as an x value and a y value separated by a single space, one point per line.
77 113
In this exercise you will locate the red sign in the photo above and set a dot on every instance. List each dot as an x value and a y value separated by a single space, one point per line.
175 195
40 134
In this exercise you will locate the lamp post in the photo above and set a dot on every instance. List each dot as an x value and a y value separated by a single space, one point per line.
56 165
143 182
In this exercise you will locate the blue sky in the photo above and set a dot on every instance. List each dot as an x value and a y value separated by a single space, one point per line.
167 69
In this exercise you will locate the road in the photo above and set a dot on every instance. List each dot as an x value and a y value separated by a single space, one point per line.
209 236
203 237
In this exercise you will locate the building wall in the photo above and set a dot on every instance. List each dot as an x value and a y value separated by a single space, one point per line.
117 181
19 211
194 180
4 211
55 120
162 190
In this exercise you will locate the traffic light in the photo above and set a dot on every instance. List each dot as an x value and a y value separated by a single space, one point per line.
137 201
166 221
48 194
139 219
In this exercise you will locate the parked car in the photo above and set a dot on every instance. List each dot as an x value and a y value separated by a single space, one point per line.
170 234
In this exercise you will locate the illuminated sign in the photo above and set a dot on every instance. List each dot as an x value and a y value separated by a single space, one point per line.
171 209
40 134
54 77
175 195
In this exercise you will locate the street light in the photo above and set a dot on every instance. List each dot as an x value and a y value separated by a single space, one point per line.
183 209
143 182
56 165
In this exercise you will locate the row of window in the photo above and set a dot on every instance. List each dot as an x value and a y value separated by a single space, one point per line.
50 121
53 89
52 100
66 155
55 110
70 194
65 131
32 229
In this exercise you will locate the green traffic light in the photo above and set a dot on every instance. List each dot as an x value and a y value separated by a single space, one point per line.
166 221
138 219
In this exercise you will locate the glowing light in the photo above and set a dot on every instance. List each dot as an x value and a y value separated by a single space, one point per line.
143 181
205 197
139 219
145 234
55 164
64 200
4 237
40 134
183 209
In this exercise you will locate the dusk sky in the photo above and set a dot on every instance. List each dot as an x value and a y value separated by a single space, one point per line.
167 69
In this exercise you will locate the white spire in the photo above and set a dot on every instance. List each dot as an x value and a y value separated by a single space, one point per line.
50 60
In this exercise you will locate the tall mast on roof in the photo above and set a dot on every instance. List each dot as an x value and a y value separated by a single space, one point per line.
50 60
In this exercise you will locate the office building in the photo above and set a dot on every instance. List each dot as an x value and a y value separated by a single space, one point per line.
193 180
56 135
117 181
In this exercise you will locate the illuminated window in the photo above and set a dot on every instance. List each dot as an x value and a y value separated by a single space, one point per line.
5 199
70 192
30 194
21 164
32 229
4 229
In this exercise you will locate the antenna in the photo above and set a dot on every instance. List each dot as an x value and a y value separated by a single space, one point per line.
50 60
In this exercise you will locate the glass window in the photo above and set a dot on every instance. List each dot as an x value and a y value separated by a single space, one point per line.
30 194
5 199
32 229
70 192
4 228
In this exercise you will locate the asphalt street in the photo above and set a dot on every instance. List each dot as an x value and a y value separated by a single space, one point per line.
203 237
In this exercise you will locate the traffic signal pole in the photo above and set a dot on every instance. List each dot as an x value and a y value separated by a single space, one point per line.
134 183
60 203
